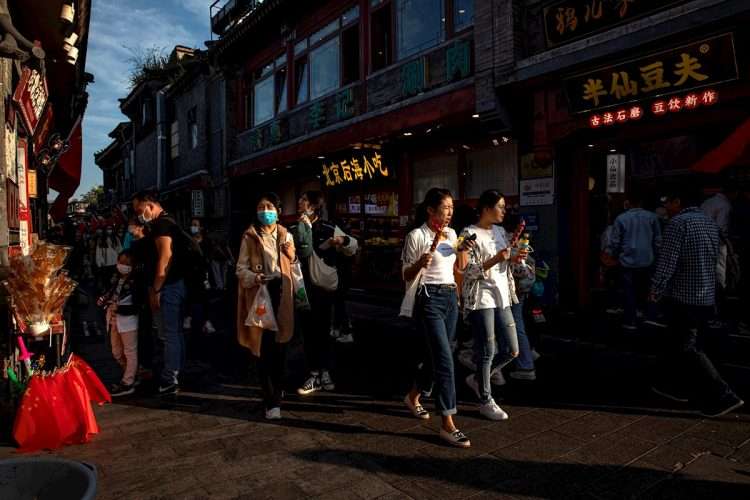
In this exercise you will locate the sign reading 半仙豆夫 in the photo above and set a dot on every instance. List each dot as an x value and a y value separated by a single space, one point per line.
707 62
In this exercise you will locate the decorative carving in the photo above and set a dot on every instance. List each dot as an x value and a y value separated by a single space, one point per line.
11 38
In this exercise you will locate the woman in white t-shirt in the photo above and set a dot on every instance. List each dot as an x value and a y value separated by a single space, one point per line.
431 255
488 293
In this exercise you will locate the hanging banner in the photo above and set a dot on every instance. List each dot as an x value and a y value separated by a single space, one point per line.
693 66
31 96
31 183
24 214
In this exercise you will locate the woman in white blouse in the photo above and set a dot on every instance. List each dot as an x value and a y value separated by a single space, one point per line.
431 256
488 293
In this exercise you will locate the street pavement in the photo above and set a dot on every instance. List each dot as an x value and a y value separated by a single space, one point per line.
587 428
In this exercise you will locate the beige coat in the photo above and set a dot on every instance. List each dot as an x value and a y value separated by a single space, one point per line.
250 263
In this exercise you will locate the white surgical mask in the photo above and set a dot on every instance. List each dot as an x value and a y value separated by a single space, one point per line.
124 269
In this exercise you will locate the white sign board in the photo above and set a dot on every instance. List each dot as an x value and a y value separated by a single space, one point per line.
536 192
198 204
615 173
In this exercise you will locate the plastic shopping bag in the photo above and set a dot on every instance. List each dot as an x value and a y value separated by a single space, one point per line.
261 312
298 282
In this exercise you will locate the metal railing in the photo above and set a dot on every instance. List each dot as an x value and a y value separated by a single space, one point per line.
223 18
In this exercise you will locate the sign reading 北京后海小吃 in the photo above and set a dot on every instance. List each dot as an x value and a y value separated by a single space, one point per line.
703 63
361 165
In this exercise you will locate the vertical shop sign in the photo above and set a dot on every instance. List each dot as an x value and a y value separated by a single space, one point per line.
615 173
198 204
24 214
31 97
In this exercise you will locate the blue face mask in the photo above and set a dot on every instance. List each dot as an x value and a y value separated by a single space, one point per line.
268 217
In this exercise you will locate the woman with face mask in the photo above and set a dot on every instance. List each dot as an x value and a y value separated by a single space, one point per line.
122 302
266 256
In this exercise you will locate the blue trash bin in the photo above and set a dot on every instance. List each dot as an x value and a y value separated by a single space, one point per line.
46 478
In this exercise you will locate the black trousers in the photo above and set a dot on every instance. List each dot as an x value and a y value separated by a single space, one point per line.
317 328
272 360
685 366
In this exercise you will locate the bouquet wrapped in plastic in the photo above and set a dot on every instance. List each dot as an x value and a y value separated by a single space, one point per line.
38 287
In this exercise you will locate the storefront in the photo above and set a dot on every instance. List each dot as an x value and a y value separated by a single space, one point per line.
640 121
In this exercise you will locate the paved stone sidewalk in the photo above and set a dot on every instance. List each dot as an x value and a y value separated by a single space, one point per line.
214 445
588 428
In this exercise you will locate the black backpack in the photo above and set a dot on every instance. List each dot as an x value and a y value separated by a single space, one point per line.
189 257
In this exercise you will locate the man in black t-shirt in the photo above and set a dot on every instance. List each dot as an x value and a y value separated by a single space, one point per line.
165 274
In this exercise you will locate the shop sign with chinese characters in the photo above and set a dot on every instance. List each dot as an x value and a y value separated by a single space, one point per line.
362 165
693 66
659 107
31 97
615 173
568 20
197 204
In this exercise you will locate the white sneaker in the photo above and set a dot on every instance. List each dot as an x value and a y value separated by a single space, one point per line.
491 411
326 381
273 414
187 323
345 339
466 358
335 333
497 377
471 381
209 327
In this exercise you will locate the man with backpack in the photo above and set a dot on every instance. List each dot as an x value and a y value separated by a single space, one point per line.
166 267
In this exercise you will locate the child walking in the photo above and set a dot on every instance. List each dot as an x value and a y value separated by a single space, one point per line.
122 303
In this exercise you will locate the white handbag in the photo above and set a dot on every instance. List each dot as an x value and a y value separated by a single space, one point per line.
323 275
407 305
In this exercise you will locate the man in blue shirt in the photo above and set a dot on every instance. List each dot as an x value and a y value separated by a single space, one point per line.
685 279
636 236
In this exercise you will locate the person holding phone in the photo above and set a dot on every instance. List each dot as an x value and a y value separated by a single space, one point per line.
266 256
488 293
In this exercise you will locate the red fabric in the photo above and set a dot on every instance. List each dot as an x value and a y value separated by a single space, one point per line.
56 409
734 151
65 177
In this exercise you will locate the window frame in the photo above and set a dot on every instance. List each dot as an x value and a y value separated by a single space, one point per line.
310 47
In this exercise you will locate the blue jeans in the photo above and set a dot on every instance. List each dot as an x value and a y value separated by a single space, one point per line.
635 283
525 360
487 355
436 312
169 324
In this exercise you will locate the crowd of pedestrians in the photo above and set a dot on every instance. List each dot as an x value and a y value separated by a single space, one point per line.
157 283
